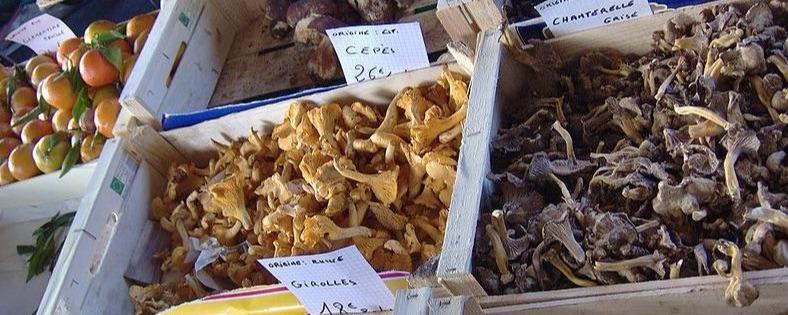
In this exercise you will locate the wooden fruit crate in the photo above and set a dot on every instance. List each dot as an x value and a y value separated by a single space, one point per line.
113 241
488 100
209 53
464 19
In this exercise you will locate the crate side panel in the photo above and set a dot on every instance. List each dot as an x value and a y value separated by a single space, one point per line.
146 88
454 268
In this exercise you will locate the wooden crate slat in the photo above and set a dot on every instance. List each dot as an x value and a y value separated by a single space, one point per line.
699 295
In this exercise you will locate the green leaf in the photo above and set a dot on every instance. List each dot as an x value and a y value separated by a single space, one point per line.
108 37
46 250
114 56
81 105
24 249
75 78
10 87
28 117
97 138
51 142
121 28
72 155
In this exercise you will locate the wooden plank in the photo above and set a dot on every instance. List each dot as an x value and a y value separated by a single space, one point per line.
98 250
413 301
454 266
257 73
46 189
146 87
455 305
681 296
463 20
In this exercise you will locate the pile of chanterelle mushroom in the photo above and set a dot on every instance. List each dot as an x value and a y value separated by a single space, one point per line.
327 177
635 168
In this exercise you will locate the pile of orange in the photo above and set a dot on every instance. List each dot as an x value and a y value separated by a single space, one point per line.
36 138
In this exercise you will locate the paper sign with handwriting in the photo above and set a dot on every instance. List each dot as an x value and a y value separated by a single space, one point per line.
41 34
338 282
376 51
569 16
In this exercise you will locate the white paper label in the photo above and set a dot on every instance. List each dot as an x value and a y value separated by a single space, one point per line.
338 282
569 16
376 51
41 34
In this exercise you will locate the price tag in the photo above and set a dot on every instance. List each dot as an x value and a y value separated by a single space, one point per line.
569 16
371 52
41 34
339 282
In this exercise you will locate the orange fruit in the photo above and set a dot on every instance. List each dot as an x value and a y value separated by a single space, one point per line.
5 174
5 114
42 72
7 145
4 73
65 47
21 163
5 130
23 97
35 130
74 57
139 43
35 61
106 115
60 120
97 28
91 147
57 91
102 93
96 70
128 65
18 115
139 24
123 45
3 94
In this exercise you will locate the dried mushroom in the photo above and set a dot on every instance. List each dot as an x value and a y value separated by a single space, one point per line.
327 177
623 168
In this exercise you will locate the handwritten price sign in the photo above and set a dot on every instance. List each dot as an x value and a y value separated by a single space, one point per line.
41 34
339 282
372 52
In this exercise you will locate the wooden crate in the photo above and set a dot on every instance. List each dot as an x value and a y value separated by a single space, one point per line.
464 19
209 53
497 82
113 241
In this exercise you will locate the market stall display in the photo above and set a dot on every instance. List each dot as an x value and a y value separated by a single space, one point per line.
615 169
587 83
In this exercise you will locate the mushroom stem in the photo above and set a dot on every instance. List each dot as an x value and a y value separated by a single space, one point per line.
383 185
501 260
736 142
514 247
739 292
564 190
703 112
570 149
654 262
780 63
559 264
